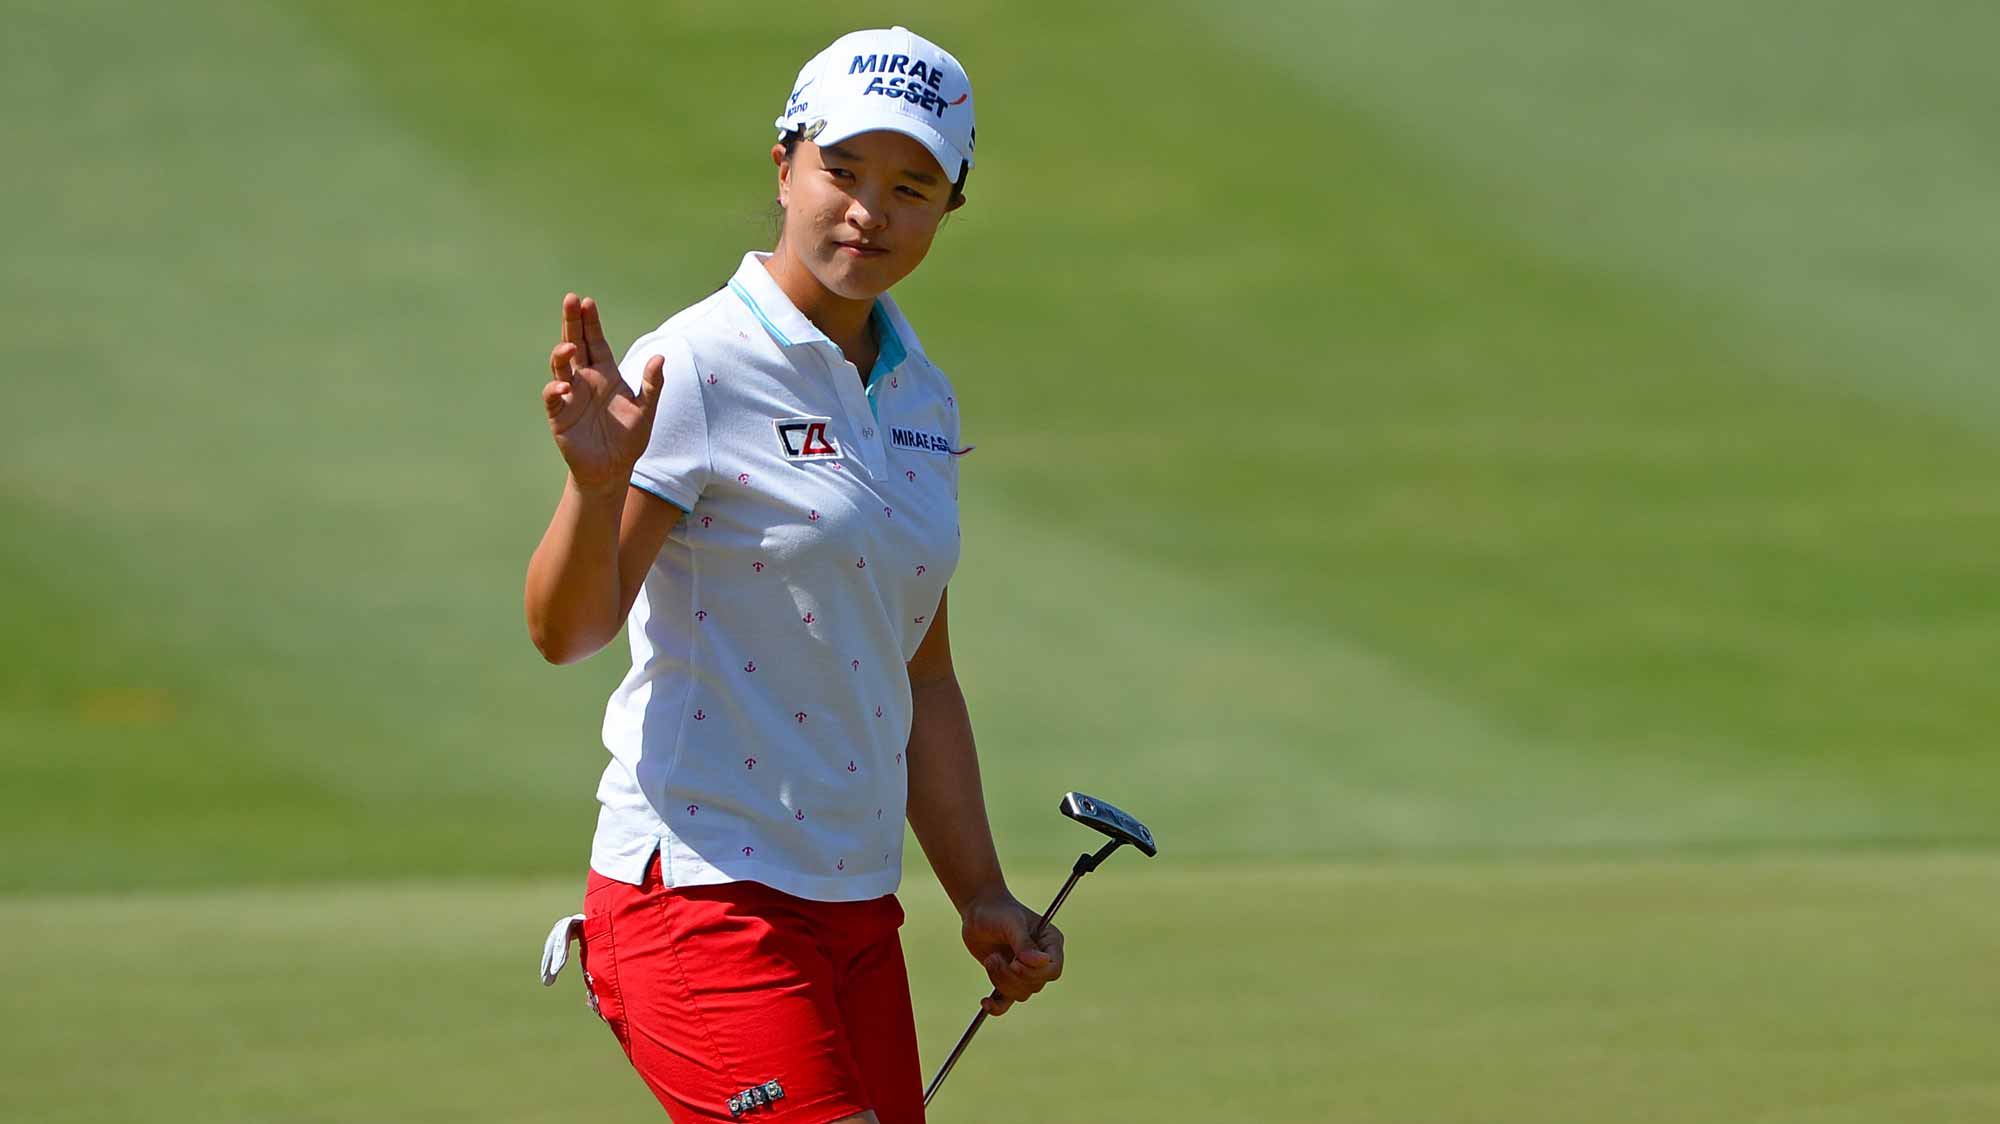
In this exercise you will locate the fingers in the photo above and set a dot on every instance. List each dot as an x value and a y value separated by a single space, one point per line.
558 392
1052 947
1019 977
562 362
1038 957
1019 961
572 329
650 384
593 336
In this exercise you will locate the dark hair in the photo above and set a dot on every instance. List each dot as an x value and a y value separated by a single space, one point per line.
791 142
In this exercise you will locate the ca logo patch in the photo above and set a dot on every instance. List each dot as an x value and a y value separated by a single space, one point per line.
806 439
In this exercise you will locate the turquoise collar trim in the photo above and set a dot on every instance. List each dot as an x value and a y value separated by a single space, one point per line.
889 354
890 351
736 287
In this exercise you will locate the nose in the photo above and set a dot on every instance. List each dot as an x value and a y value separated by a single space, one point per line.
865 214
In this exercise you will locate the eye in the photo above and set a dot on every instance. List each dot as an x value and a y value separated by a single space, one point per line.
911 192
840 173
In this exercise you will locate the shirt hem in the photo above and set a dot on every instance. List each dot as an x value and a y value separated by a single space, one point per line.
685 872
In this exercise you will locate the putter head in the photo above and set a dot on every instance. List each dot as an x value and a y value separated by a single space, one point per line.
1110 820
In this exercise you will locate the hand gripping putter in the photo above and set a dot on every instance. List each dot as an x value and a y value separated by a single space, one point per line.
1093 813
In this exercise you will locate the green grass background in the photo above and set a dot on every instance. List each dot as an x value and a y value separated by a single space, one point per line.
1507 492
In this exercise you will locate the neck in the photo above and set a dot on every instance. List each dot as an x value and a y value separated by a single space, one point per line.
844 320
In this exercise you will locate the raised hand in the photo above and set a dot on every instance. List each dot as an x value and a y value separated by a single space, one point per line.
600 426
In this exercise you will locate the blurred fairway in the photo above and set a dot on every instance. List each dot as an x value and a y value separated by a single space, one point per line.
1507 492
1779 990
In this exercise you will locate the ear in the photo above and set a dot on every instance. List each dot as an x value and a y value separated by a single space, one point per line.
954 205
784 170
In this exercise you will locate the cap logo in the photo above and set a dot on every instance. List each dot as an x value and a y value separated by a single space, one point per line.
916 93
898 64
900 76
796 104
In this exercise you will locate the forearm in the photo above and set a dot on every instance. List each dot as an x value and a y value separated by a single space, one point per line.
947 808
572 593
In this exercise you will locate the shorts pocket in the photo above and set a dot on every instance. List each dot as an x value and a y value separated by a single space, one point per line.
600 961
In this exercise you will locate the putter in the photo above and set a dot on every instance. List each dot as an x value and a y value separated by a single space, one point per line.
1093 813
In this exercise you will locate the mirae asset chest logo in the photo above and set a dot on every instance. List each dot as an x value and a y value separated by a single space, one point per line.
917 439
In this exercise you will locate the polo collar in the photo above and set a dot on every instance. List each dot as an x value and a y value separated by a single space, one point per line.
891 352
754 286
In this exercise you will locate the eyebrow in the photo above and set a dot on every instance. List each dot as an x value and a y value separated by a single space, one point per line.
849 154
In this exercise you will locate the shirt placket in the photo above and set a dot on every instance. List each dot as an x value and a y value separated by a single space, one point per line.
861 420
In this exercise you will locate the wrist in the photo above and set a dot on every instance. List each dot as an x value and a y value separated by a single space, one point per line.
991 892
603 492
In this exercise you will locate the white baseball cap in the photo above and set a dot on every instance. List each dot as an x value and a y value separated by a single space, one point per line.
889 79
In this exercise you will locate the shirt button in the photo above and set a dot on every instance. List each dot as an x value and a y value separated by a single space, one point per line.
868 432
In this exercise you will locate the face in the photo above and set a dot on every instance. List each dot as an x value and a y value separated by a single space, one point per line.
860 215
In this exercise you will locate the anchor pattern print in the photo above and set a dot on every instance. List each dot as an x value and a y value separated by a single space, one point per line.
748 607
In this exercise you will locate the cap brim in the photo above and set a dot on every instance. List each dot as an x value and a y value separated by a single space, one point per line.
949 158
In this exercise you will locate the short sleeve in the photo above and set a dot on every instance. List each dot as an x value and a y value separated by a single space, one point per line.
675 465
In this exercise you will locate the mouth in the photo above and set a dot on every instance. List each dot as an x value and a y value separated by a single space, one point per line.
861 249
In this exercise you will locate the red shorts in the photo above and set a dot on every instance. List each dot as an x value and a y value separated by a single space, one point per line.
741 997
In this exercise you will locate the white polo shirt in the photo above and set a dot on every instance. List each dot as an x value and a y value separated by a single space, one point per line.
760 732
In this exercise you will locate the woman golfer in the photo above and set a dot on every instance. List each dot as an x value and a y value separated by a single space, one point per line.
769 494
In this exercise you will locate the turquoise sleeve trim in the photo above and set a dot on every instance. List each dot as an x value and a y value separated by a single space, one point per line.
656 495
744 295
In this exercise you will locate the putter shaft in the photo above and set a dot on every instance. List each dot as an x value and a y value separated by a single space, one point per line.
1084 865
